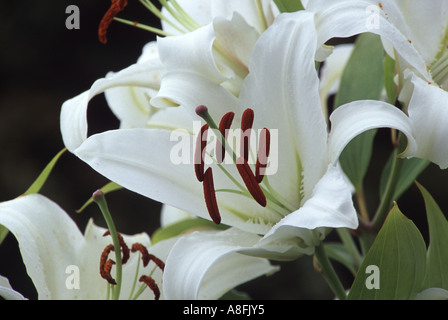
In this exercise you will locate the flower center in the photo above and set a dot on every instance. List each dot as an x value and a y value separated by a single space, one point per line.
255 181
106 265
439 70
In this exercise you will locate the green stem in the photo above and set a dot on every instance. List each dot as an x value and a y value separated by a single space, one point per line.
328 272
100 200
348 242
387 198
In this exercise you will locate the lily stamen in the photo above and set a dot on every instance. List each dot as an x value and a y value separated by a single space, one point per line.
116 7
106 265
224 126
210 196
250 181
146 256
247 122
151 283
264 145
201 143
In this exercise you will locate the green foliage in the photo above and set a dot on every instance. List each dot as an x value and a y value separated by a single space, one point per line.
289 5
405 266
399 253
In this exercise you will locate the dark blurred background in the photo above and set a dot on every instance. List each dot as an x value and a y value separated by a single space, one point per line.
42 64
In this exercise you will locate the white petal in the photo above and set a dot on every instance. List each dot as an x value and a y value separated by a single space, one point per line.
48 239
73 119
350 17
141 160
197 53
428 111
330 206
427 25
7 292
205 265
170 215
353 118
246 8
432 294
284 94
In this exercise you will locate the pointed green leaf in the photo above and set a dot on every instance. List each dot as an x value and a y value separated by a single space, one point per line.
362 79
437 257
289 5
394 267
42 178
410 170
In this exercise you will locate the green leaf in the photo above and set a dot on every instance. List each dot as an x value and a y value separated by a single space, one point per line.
410 170
3 233
289 5
399 254
42 178
339 252
437 256
389 84
111 186
183 226
362 79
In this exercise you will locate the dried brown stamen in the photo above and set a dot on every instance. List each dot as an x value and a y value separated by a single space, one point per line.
116 7
106 264
250 181
124 247
264 146
146 256
247 121
150 282
210 196
224 126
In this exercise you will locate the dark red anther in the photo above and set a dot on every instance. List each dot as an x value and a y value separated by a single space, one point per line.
201 143
124 247
210 197
150 282
264 145
250 181
116 7
247 121
106 264
224 126
146 256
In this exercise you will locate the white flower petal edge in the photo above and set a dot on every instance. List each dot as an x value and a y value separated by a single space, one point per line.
73 120
7 292
203 261
346 18
353 118
46 242
329 206
428 111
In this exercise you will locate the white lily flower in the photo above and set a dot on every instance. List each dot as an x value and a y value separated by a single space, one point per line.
64 264
225 31
306 194
414 34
